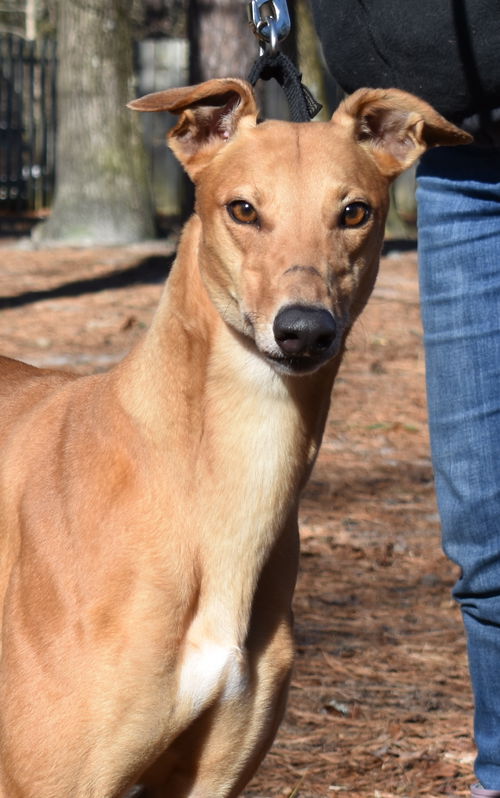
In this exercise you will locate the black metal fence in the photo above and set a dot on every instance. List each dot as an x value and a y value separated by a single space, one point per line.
27 122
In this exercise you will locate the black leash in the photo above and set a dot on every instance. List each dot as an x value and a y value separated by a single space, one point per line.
270 22
303 107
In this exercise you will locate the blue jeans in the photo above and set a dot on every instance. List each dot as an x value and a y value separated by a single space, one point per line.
459 251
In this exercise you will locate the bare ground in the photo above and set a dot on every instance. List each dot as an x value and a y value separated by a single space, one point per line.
380 702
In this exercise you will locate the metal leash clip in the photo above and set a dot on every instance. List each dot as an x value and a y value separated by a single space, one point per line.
270 22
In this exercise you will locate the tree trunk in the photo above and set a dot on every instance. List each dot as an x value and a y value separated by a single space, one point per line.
102 193
221 42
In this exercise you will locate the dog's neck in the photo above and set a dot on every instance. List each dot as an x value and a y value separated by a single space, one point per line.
249 436
191 367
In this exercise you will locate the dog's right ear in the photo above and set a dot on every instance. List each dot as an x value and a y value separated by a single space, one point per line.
209 115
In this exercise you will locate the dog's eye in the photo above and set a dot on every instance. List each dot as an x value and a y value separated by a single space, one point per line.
242 212
355 214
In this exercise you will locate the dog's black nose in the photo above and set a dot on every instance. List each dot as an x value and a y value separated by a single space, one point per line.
300 330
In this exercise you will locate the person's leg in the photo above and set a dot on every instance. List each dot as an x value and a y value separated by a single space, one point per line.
459 252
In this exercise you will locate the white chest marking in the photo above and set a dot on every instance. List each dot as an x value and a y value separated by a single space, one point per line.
211 671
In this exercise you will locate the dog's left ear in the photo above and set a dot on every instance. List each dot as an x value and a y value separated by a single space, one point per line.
209 115
396 127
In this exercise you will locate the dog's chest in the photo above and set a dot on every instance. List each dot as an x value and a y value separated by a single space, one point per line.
247 480
210 672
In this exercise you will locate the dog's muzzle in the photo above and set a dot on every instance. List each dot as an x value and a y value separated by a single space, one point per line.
306 336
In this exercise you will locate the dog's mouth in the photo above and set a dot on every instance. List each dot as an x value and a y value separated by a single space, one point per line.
299 364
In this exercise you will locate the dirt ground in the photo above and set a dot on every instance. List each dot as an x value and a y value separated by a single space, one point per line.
380 702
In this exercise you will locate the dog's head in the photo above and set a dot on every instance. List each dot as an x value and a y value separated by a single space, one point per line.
293 214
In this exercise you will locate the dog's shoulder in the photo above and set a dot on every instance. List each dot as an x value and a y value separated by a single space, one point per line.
22 384
14 373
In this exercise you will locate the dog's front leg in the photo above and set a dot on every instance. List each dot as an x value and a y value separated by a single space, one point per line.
219 753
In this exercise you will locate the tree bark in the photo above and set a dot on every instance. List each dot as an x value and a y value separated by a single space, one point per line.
102 194
221 42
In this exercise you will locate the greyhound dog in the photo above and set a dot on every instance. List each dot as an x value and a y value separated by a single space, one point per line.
148 516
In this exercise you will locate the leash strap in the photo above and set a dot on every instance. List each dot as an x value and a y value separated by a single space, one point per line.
303 106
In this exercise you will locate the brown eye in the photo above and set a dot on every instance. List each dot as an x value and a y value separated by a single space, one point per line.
355 214
242 212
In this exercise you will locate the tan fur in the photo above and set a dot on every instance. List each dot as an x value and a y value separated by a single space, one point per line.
148 516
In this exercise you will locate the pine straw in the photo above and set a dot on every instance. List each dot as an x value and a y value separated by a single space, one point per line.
379 703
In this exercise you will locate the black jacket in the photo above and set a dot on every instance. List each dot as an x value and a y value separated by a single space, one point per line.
445 51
